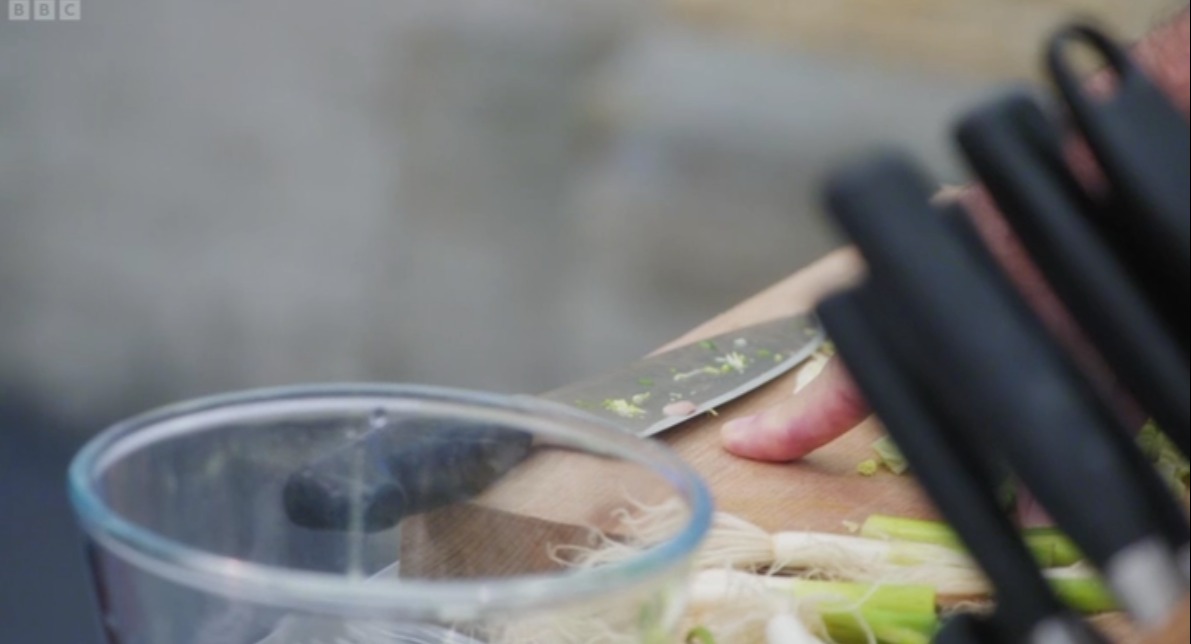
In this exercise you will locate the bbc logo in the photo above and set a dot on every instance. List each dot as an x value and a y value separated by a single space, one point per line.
44 10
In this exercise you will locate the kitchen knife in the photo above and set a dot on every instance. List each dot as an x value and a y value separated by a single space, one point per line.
1000 371
881 349
415 465
1014 148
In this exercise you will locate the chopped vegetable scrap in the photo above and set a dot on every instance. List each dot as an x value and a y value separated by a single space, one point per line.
867 468
708 370
1165 456
734 361
887 586
890 456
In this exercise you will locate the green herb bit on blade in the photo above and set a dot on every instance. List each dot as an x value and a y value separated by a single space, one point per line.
623 408
641 398
734 361
708 371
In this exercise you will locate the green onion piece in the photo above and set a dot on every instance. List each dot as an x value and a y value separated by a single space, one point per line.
890 455
1084 594
867 468
894 614
879 526
700 635
1050 547
1166 458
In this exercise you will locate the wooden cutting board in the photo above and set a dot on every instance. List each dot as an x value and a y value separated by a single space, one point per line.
824 492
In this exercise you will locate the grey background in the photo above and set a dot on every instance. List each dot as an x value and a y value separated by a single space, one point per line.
199 197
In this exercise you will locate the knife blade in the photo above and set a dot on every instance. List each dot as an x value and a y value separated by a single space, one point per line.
418 464
705 374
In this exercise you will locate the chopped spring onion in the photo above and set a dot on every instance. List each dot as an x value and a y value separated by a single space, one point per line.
1082 590
849 612
785 628
1051 547
868 467
891 457
623 408
1167 458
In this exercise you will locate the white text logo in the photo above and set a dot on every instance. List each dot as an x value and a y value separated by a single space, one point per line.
44 10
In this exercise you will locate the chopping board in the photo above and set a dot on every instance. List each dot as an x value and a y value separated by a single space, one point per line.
823 492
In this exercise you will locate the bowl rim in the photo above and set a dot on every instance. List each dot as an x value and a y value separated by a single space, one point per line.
329 593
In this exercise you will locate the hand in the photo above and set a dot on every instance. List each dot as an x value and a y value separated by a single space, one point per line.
831 404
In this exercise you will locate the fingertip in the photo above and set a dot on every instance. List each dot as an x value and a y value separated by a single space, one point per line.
773 437
735 435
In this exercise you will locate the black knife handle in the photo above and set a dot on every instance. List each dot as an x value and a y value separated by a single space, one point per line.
955 478
1006 376
1143 144
1012 146
410 466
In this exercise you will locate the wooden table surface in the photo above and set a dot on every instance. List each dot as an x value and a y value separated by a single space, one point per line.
994 39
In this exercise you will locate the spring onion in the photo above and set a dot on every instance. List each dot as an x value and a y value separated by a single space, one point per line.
1050 546
849 613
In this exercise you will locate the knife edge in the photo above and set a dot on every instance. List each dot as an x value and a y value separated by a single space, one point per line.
704 373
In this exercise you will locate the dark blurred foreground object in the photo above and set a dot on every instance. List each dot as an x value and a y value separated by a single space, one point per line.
43 580
969 380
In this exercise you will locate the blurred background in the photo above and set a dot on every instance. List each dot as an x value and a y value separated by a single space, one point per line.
197 197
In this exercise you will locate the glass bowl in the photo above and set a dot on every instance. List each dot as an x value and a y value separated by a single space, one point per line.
370 514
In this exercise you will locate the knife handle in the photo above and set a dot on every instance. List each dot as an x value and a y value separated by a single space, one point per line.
1143 144
1015 387
956 480
1011 145
408 467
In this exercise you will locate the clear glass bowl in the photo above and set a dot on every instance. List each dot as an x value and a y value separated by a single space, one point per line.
370 514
